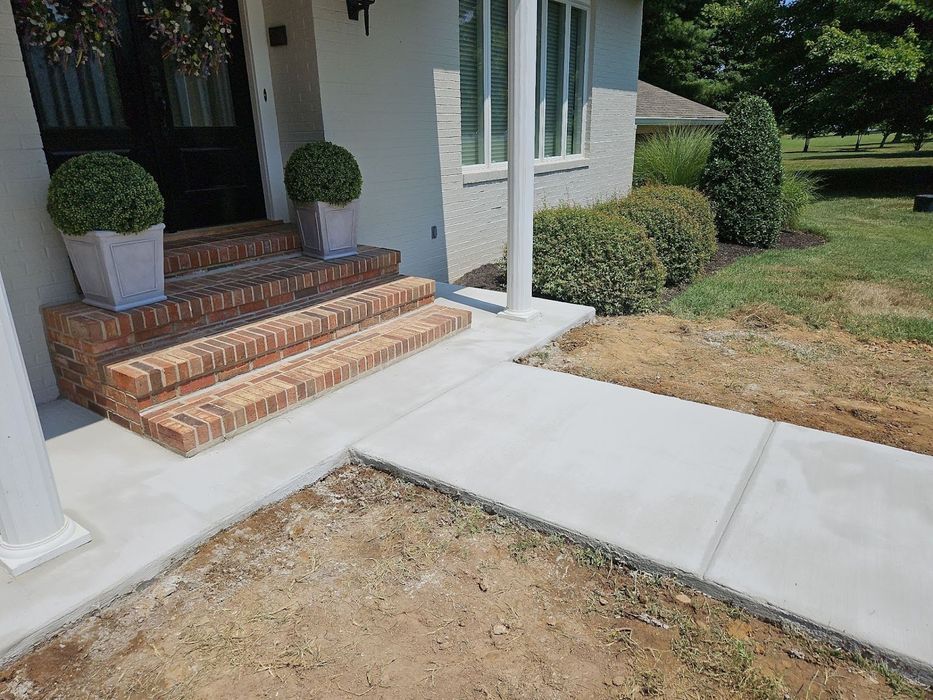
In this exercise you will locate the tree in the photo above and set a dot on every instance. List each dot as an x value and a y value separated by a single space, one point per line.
743 174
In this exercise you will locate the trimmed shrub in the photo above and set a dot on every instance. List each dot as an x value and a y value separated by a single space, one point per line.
588 257
323 172
696 205
798 189
103 192
743 175
673 157
676 235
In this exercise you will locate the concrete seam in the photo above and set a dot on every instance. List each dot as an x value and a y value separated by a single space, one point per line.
738 497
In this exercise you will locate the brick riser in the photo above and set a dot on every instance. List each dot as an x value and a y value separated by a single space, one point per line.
147 380
199 255
188 426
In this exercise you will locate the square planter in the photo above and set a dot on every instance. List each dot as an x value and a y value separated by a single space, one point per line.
119 271
328 231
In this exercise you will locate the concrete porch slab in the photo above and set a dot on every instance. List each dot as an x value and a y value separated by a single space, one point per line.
840 532
146 506
653 476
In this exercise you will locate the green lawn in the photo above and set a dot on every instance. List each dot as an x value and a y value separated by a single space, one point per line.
874 277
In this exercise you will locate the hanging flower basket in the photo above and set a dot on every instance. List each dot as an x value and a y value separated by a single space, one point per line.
194 34
67 30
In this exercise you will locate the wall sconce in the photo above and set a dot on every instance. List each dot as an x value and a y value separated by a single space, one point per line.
355 6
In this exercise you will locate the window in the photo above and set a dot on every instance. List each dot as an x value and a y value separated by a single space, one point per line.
560 89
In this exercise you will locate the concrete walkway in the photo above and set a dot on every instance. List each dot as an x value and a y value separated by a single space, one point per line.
827 530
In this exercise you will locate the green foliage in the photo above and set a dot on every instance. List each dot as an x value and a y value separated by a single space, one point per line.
323 172
743 176
103 192
673 157
584 256
676 235
798 189
696 205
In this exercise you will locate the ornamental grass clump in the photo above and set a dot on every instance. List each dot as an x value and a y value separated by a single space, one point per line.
323 172
696 204
676 235
104 192
798 189
584 256
674 156
743 175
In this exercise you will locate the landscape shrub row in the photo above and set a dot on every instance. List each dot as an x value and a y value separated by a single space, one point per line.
618 255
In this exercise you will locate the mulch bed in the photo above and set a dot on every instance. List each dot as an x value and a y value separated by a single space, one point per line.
492 275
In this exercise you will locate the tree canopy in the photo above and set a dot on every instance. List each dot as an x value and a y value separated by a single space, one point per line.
824 65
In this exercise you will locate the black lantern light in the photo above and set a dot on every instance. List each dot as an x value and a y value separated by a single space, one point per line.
355 6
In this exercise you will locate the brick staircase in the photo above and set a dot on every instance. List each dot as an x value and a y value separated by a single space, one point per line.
250 330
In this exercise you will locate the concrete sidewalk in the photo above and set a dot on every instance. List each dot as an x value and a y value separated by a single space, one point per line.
826 530
820 528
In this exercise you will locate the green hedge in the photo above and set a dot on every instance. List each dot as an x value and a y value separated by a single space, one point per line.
323 172
697 206
584 256
676 235
743 175
103 192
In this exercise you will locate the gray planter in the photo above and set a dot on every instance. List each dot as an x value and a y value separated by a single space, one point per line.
117 271
328 231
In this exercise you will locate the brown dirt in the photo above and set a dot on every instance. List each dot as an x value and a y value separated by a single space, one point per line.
365 586
764 362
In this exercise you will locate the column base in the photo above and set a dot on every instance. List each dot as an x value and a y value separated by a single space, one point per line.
529 315
19 560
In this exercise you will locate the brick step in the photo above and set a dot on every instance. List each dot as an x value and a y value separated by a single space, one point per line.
146 380
210 300
190 425
206 252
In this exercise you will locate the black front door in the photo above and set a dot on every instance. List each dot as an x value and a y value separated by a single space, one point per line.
195 135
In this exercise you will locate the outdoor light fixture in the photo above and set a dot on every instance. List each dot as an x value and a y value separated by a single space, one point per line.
353 10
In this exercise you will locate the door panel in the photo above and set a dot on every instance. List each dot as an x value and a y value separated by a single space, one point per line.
195 135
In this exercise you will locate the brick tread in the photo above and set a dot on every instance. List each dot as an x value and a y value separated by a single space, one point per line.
190 425
214 298
199 254
202 362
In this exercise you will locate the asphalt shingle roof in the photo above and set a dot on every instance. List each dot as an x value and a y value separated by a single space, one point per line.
657 104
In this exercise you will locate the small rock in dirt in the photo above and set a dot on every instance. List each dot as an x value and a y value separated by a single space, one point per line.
681 598
648 619
551 621
603 601
500 629
618 681
796 654
483 585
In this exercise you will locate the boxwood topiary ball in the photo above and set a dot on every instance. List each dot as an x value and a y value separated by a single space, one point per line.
323 172
104 192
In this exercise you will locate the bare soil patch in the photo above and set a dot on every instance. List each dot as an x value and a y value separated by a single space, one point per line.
764 362
366 586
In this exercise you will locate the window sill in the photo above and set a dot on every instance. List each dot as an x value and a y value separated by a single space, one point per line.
474 175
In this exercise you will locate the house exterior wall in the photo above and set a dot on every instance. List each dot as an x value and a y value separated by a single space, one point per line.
393 98
33 261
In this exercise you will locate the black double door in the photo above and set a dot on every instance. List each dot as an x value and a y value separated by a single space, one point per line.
194 134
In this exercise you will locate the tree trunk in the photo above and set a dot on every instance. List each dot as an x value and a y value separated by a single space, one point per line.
897 137
858 141
806 144
884 137
918 141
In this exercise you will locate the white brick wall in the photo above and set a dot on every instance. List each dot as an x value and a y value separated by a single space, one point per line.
32 257
394 99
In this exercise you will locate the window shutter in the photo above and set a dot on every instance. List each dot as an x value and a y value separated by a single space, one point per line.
499 75
471 81
554 86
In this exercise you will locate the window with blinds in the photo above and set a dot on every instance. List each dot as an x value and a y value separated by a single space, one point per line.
560 89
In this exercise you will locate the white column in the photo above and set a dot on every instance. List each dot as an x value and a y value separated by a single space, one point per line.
33 528
523 30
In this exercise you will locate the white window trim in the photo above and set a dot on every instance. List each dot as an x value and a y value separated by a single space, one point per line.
489 171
